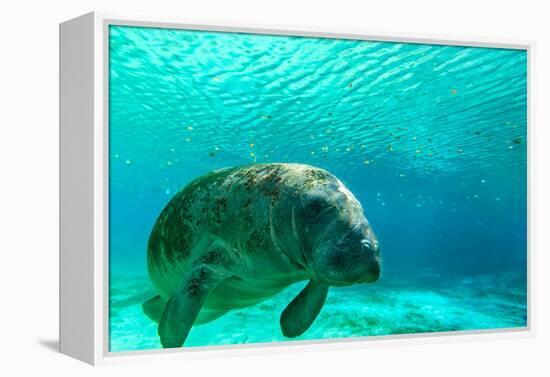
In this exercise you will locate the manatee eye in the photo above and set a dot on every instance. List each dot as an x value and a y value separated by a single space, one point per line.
314 207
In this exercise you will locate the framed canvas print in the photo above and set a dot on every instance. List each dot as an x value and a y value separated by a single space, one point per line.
230 188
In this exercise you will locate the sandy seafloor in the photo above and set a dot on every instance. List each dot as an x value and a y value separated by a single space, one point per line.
404 307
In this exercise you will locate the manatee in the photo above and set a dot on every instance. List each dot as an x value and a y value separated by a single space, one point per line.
237 236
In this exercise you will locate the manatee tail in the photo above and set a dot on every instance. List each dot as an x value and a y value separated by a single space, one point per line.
154 307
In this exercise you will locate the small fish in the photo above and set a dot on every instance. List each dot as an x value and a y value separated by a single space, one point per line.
517 140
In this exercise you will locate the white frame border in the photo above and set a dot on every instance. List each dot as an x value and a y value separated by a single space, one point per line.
101 191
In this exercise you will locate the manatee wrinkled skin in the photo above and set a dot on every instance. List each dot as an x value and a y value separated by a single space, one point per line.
237 236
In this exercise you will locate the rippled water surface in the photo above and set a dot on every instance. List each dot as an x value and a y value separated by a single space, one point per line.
431 139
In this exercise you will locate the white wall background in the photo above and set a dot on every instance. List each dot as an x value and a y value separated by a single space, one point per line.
29 186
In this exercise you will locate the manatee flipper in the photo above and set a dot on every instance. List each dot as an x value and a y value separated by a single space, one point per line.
185 304
302 311
154 307
206 316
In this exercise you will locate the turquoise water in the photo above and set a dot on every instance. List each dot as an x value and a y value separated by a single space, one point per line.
432 140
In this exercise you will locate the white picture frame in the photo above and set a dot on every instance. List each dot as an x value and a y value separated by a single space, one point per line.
84 190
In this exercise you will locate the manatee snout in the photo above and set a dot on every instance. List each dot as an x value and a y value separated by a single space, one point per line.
354 258
371 255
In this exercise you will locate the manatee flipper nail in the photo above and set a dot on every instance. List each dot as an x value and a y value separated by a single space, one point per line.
302 311
154 307
185 304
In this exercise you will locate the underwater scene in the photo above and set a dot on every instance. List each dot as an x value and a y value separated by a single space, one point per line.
268 188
